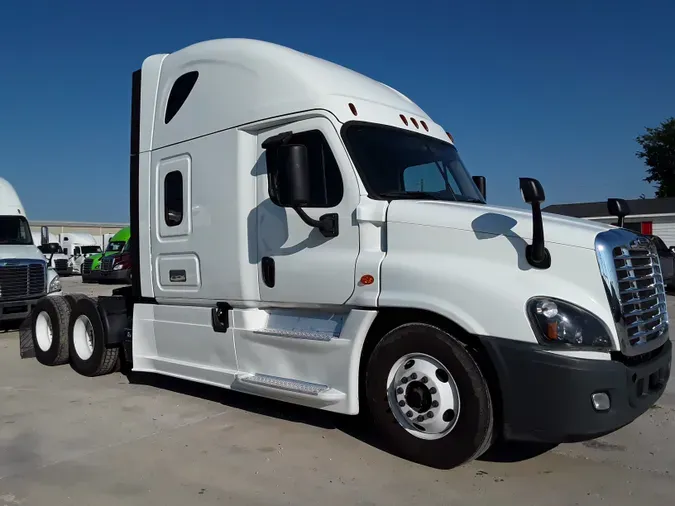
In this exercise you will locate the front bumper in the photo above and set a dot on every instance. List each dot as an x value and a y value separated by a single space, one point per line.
547 397
121 275
17 309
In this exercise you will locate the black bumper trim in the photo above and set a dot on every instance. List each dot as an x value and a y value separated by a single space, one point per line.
547 397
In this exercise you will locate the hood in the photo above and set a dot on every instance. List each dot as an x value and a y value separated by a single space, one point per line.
494 220
30 252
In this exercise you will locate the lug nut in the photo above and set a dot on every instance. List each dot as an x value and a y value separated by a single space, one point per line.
401 403
420 418
399 390
404 380
425 379
434 404
430 414
409 414
432 390
413 376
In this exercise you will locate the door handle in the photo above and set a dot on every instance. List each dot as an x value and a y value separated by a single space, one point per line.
268 271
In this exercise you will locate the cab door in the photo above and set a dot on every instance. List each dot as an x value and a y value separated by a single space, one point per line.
297 264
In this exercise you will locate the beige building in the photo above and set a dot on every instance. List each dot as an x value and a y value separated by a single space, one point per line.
100 231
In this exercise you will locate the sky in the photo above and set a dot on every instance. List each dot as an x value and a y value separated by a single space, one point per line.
552 90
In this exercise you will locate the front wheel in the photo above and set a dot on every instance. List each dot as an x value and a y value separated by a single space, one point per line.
428 398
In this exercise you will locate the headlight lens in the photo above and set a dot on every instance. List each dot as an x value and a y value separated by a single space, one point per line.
55 284
562 324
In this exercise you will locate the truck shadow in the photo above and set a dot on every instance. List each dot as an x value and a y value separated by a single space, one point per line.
354 426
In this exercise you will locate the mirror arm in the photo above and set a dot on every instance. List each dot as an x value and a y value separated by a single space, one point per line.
327 224
537 254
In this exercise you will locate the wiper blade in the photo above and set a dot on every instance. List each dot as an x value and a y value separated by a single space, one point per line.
411 195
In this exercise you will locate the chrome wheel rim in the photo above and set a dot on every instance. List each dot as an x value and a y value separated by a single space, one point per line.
83 337
423 396
44 333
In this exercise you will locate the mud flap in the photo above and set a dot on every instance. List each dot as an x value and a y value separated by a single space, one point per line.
26 349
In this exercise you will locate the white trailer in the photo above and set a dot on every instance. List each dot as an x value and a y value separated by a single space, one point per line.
305 233
24 274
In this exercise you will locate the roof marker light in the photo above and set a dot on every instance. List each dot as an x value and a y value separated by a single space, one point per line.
424 125
450 137
352 107
404 119
414 122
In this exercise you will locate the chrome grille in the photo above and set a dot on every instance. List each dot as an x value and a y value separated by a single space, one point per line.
86 265
631 270
107 263
22 280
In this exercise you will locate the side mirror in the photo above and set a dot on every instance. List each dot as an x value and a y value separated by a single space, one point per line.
531 190
293 181
618 208
536 253
44 236
480 182
294 185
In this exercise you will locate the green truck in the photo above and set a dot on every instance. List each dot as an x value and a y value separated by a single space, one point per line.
109 265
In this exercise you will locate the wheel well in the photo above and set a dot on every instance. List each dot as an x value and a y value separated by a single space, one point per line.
389 318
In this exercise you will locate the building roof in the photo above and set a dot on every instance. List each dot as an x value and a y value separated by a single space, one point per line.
75 224
638 207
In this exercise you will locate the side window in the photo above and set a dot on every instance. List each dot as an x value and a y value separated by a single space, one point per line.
173 198
179 93
428 177
77 250
326 181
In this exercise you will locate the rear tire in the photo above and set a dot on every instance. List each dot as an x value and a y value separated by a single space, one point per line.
89 356
49 328
428 398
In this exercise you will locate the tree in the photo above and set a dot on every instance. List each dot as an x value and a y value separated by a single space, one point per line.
658 152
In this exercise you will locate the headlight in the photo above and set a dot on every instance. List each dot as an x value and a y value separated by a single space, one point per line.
561 324
55 284
118 267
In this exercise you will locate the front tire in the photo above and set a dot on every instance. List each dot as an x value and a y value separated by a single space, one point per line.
428 397
88 353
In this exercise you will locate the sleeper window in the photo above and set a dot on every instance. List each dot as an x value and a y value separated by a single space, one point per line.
326 187
173 198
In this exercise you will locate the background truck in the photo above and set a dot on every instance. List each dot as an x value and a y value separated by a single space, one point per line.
24 274
100 266
305 233
53 253
79 246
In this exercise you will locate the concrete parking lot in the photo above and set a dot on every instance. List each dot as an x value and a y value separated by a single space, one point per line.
67 439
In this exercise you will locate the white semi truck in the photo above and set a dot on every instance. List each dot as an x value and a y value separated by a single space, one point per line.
78 246
24 274
53 253
308 234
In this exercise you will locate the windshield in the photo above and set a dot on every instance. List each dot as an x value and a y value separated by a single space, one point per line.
52 247
86 250
15 230
394 163
115 246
